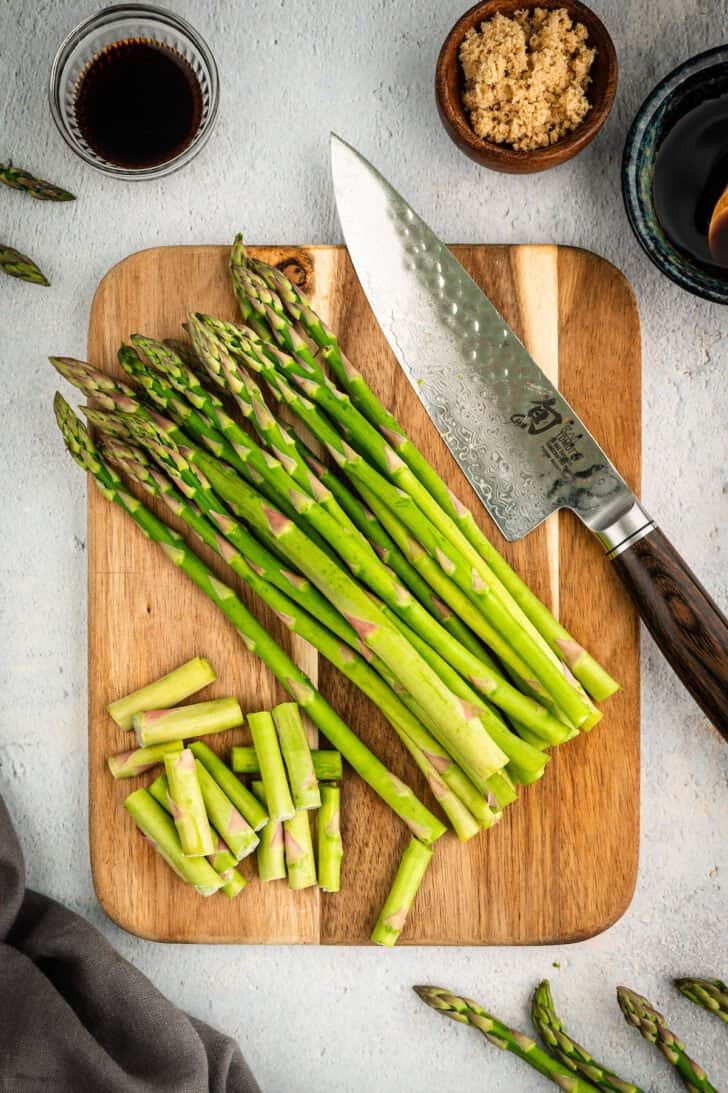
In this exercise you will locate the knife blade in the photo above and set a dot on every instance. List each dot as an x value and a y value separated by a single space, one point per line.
521 445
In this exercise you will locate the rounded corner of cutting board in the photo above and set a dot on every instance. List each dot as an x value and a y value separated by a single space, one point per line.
116 908
615 275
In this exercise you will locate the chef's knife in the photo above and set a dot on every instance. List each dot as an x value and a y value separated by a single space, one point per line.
521 446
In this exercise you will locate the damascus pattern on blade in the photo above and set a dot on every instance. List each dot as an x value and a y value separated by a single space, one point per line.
520 444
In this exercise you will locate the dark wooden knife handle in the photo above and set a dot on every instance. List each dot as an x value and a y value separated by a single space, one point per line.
684 621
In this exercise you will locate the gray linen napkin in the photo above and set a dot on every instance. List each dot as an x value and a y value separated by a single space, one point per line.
75 1017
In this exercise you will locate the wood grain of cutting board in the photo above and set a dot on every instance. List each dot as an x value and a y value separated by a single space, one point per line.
562 864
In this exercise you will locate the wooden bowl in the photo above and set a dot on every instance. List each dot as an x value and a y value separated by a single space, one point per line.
449 87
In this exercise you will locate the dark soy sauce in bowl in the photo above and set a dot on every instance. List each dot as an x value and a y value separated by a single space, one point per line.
691 172
138 104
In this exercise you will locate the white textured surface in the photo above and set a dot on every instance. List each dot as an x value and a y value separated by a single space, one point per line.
346 1020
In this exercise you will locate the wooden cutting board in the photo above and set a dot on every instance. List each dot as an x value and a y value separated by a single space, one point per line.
562 864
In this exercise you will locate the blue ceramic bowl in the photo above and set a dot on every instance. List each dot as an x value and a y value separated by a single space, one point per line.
685 88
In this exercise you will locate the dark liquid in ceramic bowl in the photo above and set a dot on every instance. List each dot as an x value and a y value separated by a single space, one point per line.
138 104
691 172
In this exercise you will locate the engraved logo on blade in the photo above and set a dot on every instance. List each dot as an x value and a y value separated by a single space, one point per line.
541 417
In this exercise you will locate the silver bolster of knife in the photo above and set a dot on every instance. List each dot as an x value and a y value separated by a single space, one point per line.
627 530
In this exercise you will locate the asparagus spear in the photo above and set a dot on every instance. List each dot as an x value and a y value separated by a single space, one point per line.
222 861
401 896
272 770
19 265
188 806
156 825
129 764
500 1035
297 756
458 797
163 693
592 675
243 800
651 1025
330 847
271 849
230 825
326 763
402 801
18 179
559 1043
711 994
182 722
300 860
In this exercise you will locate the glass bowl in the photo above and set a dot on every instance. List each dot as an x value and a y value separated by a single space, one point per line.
119 23
698 79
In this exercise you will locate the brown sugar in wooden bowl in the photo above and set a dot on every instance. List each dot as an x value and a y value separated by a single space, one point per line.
450 85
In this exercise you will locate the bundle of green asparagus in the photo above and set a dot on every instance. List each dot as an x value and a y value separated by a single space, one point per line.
373 561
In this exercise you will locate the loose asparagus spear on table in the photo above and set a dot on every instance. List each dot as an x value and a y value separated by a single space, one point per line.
18 179
401 799
19 265
651 1024
557 1041
711 994
500 1035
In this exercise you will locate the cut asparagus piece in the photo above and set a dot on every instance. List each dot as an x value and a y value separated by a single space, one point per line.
399 797
711 994
230 825
197 719
129 764
507 1039
159 829
272 771
224 863
164 693
652 1026
271 849
330 846
297 756
188 806
573 1055
409 876
245 802
300 860
326 762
